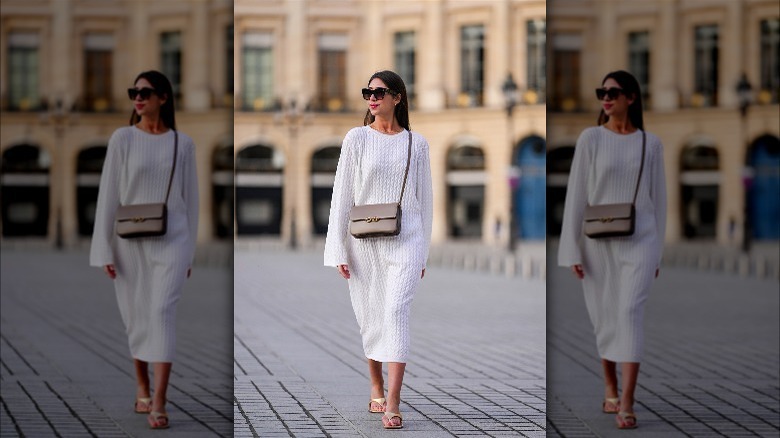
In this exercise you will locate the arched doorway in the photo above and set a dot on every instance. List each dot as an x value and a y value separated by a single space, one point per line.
465 191
323 175
222 191
762 192
259 190
699 191
558 166
25 191
89 166
529 195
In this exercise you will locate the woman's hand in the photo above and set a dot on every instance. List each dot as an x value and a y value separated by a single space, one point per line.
578 271
423 273
344 271
110 271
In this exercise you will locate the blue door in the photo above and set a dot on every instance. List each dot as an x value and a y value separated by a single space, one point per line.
763 201
529 195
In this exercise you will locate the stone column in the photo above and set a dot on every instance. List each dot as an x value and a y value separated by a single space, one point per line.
498 55
195 76
431 93
664 68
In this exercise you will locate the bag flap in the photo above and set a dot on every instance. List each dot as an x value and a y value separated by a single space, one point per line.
377 211
140 211
608 211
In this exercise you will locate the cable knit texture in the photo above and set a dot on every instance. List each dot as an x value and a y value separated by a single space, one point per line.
385 271
618 271
151 270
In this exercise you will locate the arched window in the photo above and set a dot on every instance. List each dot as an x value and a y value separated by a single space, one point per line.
222 190
558 166
25 190
89 166
323 174
465 191
259 190
700 184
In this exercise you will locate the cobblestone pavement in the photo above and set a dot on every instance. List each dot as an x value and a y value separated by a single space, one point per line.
477 366
712 359
66 368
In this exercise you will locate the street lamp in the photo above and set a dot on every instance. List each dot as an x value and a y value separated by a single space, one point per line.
292 116
745 95
60 117
509 88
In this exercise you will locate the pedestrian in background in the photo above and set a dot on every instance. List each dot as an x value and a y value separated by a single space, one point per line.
383 272
148 272
617 272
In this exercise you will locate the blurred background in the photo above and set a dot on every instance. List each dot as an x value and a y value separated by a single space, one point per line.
64 73
475 74
710 74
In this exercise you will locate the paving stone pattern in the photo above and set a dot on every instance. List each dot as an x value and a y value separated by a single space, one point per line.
477 365
65 365
711 366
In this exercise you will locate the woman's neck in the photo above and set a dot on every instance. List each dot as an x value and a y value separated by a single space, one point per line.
385 125
621 125
152 125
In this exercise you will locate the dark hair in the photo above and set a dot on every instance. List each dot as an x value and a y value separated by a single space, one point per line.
162 87
630 86
396 84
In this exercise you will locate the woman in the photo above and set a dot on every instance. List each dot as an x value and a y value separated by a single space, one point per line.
616 273
382 272
148 272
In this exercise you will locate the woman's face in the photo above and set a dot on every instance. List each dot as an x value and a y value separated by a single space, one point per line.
617 106
149 107
384 107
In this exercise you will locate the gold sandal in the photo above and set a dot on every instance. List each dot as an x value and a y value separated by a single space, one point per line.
157 420
146 405
387 420
626 420
380 401
614 401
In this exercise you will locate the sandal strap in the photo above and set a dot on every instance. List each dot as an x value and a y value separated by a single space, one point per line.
391 415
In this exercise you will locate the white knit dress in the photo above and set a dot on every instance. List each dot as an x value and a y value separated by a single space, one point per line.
150 271
385 271
618 271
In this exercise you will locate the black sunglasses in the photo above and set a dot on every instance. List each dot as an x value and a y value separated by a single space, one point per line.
613 93
145 93
378 92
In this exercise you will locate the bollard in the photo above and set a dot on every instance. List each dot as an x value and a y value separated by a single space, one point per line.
469 262
495 264
744 266
510 266
760 267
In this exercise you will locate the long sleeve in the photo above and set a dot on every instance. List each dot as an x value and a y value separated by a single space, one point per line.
425 195
341 202
101 251
190 192
658 196
569 251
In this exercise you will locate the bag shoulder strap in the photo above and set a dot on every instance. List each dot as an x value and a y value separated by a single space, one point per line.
641 167
173 168
406 172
